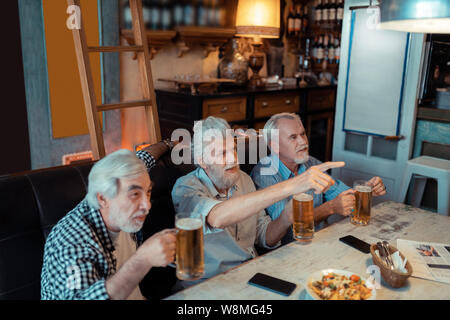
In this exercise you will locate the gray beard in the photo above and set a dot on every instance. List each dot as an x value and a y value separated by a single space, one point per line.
303 160
220 181
123 223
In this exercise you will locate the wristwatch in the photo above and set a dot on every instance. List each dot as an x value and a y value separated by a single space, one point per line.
168 143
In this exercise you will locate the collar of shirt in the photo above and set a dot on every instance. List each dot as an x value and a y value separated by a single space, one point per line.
203 176
284 171
96 220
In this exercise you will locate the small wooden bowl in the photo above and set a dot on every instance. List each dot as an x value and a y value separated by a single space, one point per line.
392 277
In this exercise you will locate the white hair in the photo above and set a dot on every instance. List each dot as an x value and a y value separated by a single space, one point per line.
204 131
105 174
272 124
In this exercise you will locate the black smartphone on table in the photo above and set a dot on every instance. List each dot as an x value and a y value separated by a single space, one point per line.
276 285
356 243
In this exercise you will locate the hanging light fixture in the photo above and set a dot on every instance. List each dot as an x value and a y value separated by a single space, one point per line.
424 16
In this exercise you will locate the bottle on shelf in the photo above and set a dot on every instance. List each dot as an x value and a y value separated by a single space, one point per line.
337 51
332 10
325 12
314 49
202 13
291 22
340 12
178 13
221 14
325 48
155 14
318 12
307 59
331 51
127 20
166 15
320 51
211 12
305 19
189 13
298 20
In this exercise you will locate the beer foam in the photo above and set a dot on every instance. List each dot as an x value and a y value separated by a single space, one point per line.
303 197
363 188
188 224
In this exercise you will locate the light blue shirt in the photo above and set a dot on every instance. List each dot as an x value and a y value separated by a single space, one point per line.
271 170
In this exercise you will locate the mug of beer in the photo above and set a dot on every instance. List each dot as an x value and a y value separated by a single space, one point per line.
363 203
303 216
189 253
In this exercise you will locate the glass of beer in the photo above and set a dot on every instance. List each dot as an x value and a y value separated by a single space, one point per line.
363 203
303 216
189 252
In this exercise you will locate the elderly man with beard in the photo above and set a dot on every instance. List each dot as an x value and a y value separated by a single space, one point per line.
226 199
290 158
93 253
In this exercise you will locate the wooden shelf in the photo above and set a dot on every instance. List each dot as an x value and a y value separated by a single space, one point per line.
186 38
156 39
325 28
208 37
433 114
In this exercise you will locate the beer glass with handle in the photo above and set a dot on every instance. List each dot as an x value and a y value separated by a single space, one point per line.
363 203
303 216
189 253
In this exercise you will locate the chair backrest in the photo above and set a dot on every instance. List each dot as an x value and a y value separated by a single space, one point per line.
30 205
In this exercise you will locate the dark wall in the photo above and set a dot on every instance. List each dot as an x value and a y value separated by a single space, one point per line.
14 140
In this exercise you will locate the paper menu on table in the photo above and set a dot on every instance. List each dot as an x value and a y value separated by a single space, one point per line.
429 260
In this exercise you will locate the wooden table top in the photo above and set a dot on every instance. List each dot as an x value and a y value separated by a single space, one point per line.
295 262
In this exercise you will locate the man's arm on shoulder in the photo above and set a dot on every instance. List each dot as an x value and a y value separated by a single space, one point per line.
153 153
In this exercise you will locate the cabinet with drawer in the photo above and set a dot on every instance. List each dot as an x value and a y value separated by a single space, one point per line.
268 105
230 109
319 100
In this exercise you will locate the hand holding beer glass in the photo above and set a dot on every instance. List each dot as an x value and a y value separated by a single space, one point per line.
363 203
189 253
303 216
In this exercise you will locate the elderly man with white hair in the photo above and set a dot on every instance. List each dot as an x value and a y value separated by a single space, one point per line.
290 158
92 253
228 203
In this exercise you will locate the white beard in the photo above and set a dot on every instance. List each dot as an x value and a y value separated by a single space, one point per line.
302 160
122 222
222 180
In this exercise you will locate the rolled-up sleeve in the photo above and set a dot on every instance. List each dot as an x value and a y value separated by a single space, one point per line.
189 195
335 190
261 230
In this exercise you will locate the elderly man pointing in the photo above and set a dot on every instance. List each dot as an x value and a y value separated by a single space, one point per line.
290 158
228 203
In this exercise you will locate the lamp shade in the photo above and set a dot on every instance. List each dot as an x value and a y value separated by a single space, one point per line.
425 16
260 18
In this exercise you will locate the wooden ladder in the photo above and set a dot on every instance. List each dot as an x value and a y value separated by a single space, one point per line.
87 82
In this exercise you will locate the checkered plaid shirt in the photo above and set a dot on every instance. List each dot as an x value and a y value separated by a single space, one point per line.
79 254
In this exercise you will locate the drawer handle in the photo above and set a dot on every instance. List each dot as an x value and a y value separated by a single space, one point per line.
265 104
288 101
224 109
